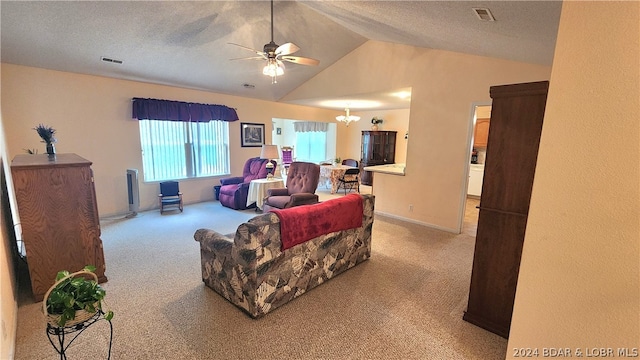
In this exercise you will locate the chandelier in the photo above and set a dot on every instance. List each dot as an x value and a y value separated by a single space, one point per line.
347 118
274 68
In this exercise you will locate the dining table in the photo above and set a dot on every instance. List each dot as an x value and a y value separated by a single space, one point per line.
329 175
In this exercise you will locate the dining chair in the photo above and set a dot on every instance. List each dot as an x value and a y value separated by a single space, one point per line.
287 158
350 178
350 162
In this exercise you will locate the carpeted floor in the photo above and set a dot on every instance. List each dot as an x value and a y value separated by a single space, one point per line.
406 302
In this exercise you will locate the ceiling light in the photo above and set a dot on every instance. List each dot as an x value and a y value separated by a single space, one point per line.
347 118
274 68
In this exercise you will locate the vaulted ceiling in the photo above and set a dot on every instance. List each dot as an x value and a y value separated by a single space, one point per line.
186 43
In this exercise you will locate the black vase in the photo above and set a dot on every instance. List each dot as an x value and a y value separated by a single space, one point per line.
51 151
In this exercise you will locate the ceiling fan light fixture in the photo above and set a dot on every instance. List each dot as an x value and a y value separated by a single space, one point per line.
272 68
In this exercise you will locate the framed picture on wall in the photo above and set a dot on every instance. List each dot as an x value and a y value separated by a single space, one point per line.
252 135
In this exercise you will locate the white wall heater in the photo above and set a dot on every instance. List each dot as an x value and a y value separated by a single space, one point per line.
134 194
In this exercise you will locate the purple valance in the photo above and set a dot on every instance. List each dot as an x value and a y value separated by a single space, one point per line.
154 109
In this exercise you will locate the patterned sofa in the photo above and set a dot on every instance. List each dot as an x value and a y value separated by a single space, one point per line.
261 268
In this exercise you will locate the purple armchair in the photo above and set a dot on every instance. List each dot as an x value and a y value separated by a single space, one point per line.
302 182
234 190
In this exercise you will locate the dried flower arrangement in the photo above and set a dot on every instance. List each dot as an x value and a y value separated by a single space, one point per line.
46 133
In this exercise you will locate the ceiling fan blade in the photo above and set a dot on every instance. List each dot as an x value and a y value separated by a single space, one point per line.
281 64
248 48
250 58
301 60
286 49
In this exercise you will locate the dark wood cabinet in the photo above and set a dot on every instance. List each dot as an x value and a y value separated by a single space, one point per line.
512 151
378 148
59 217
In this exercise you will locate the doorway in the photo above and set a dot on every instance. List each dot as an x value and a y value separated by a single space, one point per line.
477 149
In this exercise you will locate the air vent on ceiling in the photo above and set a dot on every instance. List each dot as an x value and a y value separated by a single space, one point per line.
248 86
484 14
106 59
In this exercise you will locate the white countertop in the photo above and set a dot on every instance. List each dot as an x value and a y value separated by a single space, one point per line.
393 169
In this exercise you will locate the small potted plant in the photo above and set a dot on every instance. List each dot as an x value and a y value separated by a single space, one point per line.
375 121
73 299
47 135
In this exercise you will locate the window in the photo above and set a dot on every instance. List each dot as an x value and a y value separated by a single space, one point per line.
311 146
178 150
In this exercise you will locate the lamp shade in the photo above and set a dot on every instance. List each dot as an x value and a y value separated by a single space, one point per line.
269 152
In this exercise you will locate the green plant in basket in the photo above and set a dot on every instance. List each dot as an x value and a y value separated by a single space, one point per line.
72 295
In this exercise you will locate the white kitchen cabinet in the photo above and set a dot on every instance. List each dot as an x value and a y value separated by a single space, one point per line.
476 173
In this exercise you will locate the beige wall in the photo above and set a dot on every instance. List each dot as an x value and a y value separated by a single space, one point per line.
483 112
579 277
444 87
92 116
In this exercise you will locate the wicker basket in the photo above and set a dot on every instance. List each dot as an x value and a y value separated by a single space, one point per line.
81 315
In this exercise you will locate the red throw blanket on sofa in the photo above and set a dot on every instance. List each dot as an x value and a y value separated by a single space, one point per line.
301 223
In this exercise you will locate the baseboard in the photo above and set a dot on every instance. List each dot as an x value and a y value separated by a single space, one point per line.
454 231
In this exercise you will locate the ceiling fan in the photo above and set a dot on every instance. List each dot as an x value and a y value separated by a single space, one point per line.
275 54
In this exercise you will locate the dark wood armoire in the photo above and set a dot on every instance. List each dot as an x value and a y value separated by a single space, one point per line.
377 148
512 150
59 217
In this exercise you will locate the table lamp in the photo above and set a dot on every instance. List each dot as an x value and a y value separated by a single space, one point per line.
269 152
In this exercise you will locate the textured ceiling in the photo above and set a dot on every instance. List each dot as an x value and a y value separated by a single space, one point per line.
186 43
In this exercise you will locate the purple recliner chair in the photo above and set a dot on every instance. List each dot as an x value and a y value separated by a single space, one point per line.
302 182
234 190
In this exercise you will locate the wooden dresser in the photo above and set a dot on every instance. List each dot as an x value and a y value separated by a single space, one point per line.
512 151
58 215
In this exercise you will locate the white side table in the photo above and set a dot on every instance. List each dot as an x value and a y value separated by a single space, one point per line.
258 190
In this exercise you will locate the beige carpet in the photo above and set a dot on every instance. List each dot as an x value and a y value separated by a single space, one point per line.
406 302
